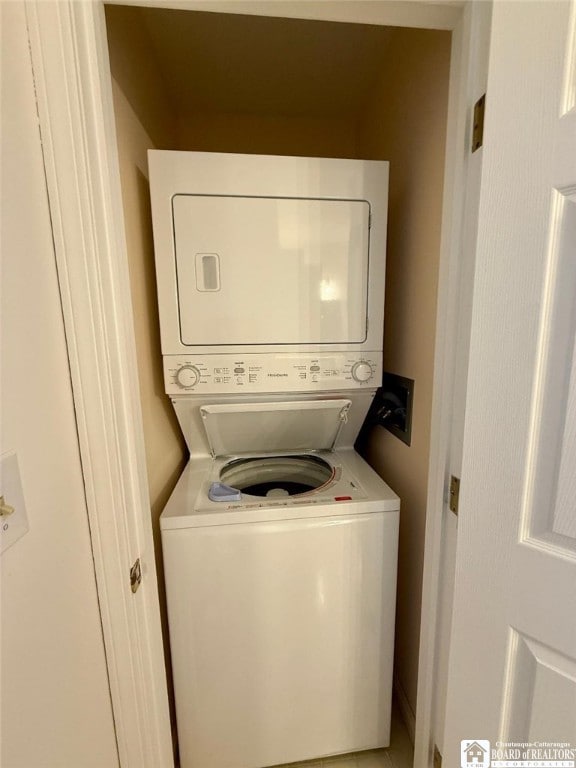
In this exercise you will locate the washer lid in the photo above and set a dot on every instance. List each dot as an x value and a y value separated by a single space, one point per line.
304 425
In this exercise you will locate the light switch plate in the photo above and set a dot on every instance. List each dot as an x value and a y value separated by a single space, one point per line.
14 526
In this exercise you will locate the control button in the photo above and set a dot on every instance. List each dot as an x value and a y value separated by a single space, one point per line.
187 376
314 368
361 371
238 370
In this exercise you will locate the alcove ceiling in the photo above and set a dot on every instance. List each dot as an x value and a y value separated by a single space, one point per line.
213 62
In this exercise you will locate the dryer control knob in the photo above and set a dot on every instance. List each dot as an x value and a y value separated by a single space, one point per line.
187 376
361 371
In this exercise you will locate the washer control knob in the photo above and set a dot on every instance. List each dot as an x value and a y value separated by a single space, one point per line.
187 376
361 371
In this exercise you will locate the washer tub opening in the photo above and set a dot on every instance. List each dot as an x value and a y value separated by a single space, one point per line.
277 475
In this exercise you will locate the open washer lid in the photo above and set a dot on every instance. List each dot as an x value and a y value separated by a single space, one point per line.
240 428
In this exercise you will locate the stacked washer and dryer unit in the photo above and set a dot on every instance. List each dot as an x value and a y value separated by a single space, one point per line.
279 541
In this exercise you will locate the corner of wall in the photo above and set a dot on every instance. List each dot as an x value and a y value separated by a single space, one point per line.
405 123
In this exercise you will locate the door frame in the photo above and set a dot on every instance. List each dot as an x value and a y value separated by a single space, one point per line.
76 121
76 117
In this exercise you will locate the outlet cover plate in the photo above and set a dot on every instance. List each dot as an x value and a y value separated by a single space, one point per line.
14 526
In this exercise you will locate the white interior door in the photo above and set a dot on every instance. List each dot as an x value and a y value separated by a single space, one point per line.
513 653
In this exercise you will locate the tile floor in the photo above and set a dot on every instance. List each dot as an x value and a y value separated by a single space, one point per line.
398 755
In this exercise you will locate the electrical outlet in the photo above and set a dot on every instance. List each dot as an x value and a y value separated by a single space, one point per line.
13 517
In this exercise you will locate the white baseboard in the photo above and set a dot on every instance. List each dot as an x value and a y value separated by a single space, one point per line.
405 709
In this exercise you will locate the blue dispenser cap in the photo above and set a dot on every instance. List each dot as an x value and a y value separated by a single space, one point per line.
222 492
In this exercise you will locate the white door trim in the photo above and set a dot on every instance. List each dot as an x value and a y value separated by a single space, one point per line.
461 185
71 67
71 72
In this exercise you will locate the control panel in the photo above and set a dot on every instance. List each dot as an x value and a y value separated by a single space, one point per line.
202 374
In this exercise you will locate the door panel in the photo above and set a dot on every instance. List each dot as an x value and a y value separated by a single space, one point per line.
550 504
542 700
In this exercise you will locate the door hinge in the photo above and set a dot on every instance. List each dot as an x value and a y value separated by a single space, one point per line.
478 125
135 576
437 757
454 493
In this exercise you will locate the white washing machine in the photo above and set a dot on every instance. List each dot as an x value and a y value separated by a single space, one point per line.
279 541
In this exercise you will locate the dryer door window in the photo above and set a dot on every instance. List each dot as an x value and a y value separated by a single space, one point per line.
264 270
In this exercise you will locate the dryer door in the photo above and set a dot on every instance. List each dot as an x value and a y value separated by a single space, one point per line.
271 270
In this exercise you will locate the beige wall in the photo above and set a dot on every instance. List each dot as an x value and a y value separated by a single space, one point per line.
406 125
165 447
56 708
268 135
134 66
